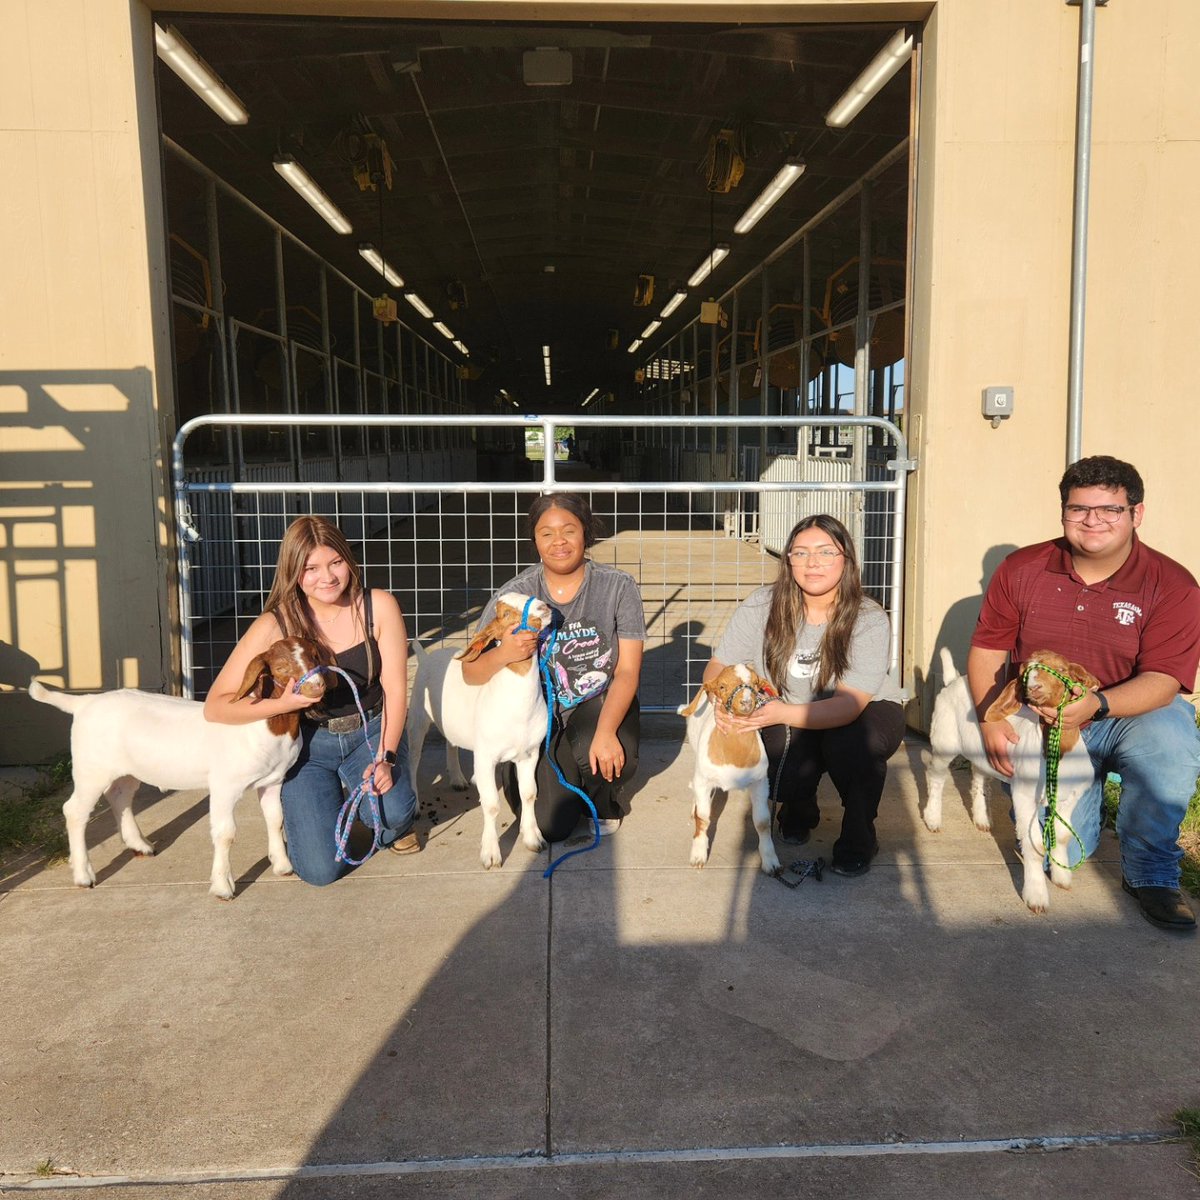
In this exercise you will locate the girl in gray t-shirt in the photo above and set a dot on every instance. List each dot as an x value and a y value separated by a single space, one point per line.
824 646
594 668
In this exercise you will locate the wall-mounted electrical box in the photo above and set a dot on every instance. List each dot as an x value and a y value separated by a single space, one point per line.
997 403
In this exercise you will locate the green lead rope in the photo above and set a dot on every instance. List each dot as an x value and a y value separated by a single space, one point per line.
1053 755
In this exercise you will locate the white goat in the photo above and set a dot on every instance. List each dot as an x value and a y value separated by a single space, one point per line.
121 737
502 720
734 762
955 730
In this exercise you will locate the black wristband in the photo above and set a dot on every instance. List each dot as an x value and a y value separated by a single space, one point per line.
1102 712
389 757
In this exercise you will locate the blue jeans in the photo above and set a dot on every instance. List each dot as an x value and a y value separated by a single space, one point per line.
313 796
1157 756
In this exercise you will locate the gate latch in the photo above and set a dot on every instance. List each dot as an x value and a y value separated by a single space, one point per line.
902 464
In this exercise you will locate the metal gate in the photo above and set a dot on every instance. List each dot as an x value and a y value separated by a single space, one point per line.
431 531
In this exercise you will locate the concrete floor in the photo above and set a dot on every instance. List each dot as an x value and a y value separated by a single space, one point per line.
632 1026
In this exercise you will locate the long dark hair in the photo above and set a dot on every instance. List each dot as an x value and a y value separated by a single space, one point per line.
788 611
288 602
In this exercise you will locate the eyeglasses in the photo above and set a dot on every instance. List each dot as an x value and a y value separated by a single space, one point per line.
822 554
1110 514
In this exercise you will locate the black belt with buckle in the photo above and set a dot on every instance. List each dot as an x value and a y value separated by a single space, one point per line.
346 724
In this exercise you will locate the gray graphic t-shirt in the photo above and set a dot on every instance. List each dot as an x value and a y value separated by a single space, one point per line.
867 672
587 629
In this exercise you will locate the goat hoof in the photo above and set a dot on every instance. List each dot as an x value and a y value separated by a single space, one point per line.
223 889
771 867
699 858
983 826
283 868
85 878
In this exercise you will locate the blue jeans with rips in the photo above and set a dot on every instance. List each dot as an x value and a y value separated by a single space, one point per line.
329 767
1157 755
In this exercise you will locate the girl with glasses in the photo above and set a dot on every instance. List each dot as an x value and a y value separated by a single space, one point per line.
824 647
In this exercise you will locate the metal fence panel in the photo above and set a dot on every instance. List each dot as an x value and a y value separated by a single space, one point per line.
442 542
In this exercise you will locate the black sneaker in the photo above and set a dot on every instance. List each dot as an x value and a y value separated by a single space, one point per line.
853 865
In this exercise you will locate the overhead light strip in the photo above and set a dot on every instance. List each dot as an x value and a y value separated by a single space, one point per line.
634 345
380 264
307 187
769 196
443 330
672 304
174 50
546 363
871 80
711 262
650 329
419 304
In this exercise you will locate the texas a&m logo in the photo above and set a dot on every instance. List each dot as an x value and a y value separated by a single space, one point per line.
1125 612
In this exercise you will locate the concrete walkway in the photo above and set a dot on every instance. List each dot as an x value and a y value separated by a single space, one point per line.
632 1027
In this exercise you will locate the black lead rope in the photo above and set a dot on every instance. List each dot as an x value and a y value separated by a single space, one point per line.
802 868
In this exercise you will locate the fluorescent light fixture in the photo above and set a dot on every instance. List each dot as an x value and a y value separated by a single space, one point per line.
634 345
546 363
672 304
784 178
462 349
876 73
198 75
650 329
711 262
304 183
443 330
379 263
418 304
590 397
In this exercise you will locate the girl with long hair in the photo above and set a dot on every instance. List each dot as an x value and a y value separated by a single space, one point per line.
824 647
318 594
594 665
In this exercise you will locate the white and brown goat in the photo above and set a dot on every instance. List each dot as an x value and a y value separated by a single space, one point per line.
954 730
122 737
733 762
502 720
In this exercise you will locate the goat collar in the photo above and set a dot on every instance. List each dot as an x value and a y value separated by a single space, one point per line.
1069 684
525 626
311 674
761 696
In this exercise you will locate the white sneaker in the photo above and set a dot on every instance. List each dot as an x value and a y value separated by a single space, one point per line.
609 825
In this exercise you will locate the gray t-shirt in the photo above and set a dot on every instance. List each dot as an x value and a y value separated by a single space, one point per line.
607 607
867 671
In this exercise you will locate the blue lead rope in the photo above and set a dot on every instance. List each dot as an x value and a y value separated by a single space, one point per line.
544 658
352 806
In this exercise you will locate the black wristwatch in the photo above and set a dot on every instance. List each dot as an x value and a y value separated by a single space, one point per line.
1102 711
389 756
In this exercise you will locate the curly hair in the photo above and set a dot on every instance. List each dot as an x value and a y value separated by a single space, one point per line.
1100 470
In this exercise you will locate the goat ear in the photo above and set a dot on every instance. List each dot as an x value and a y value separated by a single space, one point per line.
1083 676
691 708
255 679
482 640
1004 704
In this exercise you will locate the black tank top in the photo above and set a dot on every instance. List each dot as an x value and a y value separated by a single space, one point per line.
339 699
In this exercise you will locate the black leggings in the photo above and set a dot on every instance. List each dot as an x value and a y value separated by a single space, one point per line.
558 809
855 757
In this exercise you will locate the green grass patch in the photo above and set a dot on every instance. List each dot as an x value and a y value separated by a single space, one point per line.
1188 1120
31 818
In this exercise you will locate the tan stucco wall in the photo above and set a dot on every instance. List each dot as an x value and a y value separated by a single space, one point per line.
84 595
84 579
992 302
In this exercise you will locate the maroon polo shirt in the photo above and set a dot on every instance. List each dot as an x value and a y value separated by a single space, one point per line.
1145 617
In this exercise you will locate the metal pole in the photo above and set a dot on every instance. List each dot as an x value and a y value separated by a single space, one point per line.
1083 163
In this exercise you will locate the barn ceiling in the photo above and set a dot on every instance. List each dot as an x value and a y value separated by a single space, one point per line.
541 205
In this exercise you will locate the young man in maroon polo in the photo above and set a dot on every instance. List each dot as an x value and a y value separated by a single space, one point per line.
1131 616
